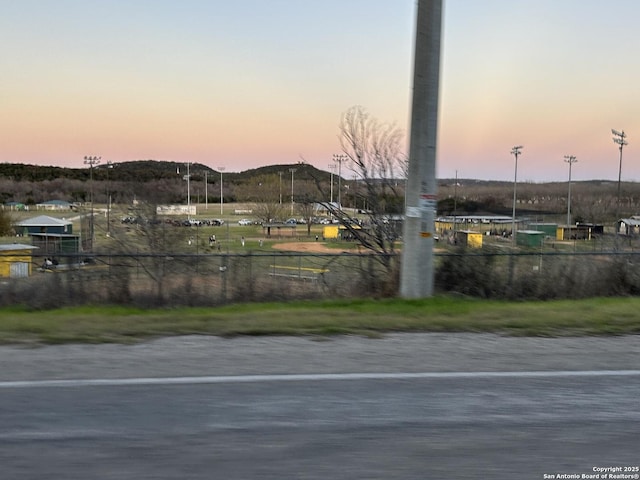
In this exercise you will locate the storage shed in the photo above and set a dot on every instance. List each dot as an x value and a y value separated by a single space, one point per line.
549 229
16 260
530 238
579 231
468 238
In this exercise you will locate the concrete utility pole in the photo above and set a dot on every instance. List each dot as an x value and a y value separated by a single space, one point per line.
417 275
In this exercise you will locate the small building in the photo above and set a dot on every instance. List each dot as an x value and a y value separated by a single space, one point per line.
339 232
56 243
55 205
330 232
43 224
580 231
549 229
492 223
52 236
628 226
16 260
18 206
530 238
468 238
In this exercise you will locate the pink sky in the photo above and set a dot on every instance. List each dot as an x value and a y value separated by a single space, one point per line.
242 86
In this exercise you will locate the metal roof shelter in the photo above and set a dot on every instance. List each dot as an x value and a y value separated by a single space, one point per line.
628 226
45 224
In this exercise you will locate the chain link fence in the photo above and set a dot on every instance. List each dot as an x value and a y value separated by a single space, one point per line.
167 280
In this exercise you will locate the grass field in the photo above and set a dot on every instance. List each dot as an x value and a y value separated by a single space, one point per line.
601 316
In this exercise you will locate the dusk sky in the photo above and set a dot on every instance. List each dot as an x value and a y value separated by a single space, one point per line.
258 82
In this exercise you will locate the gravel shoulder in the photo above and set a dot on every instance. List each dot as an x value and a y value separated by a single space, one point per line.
208 356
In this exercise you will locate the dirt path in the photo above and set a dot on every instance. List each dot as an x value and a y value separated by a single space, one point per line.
312 247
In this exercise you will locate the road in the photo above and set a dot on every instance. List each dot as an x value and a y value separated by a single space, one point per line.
241 418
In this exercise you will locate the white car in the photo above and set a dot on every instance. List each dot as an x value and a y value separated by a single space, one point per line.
245 221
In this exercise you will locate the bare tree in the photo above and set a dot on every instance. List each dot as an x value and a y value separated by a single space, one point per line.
375 155
6 223
263 192
374 152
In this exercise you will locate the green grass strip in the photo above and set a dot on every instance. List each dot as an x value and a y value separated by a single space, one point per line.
599 316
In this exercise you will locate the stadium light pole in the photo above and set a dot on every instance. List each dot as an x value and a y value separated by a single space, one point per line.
109 166
187 178
339 158
332 168
570 159
515 151
292 170
221 191
91 161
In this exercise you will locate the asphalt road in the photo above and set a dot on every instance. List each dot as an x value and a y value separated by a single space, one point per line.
245 417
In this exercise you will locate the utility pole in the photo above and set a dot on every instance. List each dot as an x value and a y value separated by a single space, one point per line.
515 151
280 189
417 274
221 192
339 158
570 159
206 194
619 138
292 170
91 161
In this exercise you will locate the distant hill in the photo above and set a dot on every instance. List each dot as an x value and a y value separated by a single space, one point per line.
149 170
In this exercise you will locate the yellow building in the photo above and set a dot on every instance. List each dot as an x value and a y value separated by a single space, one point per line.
468 238
338 232
330 232
16 260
